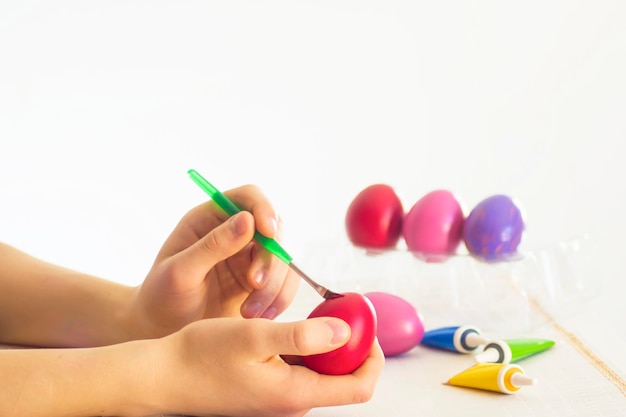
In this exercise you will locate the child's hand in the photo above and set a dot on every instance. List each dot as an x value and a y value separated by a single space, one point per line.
210 267
234 367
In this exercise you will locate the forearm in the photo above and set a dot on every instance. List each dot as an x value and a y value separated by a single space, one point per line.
46 305
105 381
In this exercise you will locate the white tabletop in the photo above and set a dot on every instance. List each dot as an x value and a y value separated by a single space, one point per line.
582 374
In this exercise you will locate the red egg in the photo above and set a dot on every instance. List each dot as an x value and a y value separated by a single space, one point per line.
356 310
374 217
433 228
400 327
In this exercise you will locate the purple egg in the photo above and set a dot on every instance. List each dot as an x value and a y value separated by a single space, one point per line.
493 230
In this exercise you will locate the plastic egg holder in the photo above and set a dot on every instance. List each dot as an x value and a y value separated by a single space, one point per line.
515 293
488 279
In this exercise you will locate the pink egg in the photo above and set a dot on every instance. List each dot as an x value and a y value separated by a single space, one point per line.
434 226
400 327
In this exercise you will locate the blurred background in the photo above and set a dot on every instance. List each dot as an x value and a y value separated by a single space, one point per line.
105 105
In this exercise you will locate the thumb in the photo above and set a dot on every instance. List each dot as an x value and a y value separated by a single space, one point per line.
309 337
220 243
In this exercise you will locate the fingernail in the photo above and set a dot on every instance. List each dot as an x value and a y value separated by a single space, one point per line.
273 225
270 313
260 277
339 331
237 225
253 310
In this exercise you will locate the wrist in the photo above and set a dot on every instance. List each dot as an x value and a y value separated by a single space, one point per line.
118 379
137 318
137 381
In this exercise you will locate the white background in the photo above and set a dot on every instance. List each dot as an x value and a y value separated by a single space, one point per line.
105 105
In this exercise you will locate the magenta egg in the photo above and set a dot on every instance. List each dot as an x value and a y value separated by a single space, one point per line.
493 230
434 225
400 327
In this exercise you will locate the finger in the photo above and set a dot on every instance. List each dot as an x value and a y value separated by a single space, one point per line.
285 296
276 284
265 264
252 199
306 337
357 387
220 243
280 288
374 363
262 266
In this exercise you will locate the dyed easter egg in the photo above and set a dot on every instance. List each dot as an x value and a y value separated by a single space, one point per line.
434 225
400 327
374 217
358 311
493 230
